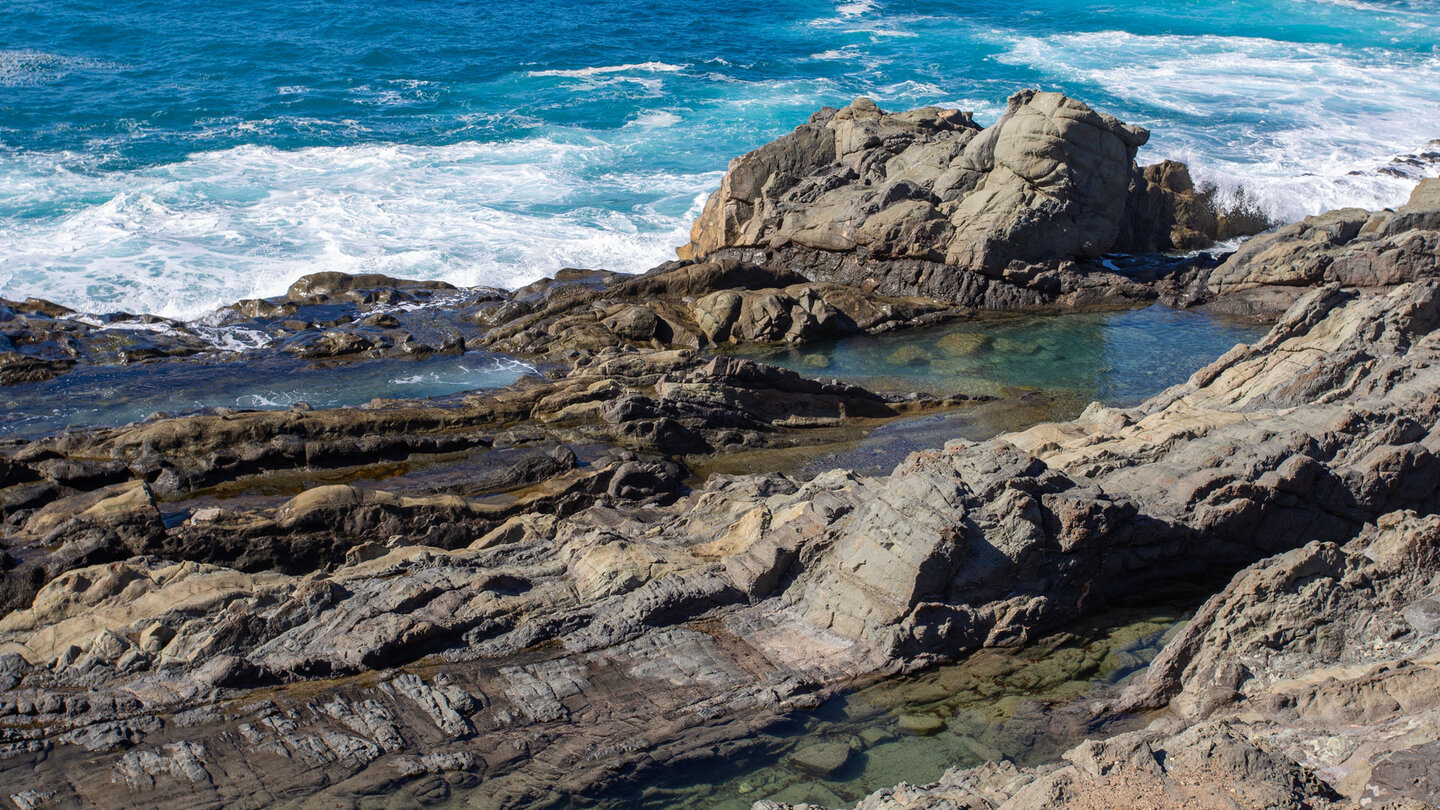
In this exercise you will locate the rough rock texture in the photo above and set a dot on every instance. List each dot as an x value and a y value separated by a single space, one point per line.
455 471
566 650
695 304
333 318
1309 682
1351 247
926 202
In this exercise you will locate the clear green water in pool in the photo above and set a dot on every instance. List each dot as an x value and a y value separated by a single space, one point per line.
1025 705
1118 358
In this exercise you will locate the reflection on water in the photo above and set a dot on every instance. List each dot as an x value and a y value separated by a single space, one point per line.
1118 358
1020 705
117 395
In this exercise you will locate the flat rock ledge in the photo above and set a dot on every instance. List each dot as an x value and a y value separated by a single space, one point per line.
547 653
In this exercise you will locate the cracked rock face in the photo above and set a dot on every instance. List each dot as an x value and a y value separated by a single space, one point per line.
559 654
1309 682
1351 247
927 202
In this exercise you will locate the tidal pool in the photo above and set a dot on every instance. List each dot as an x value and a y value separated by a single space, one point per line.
93 396
1023 705
1118 358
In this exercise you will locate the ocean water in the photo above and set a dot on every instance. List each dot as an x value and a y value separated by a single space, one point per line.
170 157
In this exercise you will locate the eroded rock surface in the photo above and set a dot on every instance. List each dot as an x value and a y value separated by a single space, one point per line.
332 318
1309 682
1351 247
549 651
926 202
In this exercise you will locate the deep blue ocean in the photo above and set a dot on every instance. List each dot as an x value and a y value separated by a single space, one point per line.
169 156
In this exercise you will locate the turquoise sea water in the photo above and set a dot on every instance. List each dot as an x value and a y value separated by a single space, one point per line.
169 156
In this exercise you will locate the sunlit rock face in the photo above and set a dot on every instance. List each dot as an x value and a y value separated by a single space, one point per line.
927 202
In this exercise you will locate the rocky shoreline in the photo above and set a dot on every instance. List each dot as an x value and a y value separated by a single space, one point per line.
522 598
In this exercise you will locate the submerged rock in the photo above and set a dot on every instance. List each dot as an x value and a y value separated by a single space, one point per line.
822 759
921 725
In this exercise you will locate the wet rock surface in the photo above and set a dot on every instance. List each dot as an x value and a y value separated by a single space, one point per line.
1351 247
333 318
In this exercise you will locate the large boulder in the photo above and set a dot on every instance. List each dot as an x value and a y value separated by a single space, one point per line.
1051 180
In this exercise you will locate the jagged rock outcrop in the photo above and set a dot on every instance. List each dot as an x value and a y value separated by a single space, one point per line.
1309 682
333 318
926 202
695 304
1324 424
1351 247
582 647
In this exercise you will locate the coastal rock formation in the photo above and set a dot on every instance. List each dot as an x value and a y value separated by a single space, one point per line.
93 496
334 318
694 305
1308 682
926 202
1351 247
444 645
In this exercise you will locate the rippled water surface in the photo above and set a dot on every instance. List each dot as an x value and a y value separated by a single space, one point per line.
169 157
117 395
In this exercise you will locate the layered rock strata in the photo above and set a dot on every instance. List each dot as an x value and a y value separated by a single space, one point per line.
927 202
1309 682
1351 247
616 428
567 653
333 318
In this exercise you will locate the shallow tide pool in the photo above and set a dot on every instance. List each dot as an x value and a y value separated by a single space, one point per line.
1118 358
120 394
1024 705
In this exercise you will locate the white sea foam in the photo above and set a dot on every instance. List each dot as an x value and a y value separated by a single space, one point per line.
225 338
855 8
274 399
640 67
1399 7
180 239
1300 127
655 119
